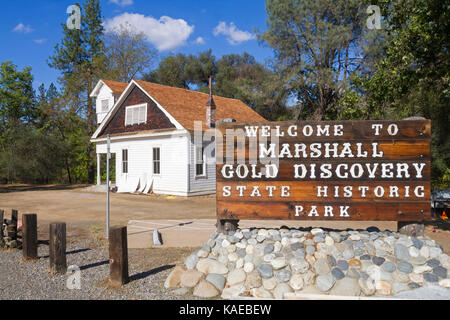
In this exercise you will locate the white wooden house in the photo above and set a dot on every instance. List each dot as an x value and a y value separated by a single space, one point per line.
151 130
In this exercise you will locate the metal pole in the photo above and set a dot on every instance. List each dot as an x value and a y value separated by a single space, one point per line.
108 156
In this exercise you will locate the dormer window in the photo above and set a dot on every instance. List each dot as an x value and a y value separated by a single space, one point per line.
105 105
136 114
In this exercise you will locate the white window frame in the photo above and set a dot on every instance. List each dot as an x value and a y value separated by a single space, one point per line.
127 161
153 161
202 175
144 105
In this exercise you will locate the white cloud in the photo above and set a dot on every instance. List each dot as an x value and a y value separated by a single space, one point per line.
21 28
165 33
234 35
122 3
199 40
40 41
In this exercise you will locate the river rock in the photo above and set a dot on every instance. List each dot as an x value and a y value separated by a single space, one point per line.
190 278
405 267
265 270
309 278
346 287
430 277
173 280
367 287
205 290
261 293
191 262
209 265
296 282
383 288
388 266
278 263
217 280
445 283
321 266
235 277
253 280
401 252
280 290
337 273
233 292
283 275
325 282
440 271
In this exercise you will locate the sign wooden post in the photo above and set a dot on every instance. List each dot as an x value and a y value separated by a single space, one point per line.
58 261
29 230
328 170
118 256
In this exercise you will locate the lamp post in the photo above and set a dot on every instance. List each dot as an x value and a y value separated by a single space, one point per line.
108 156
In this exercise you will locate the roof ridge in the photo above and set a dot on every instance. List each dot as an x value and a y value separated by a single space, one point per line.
188 90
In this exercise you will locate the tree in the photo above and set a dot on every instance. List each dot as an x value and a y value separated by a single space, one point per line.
318 44
412 77
81 58
235 76
241 77
127 54
171 72
17 111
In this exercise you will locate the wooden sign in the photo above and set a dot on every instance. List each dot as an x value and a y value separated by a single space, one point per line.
339 170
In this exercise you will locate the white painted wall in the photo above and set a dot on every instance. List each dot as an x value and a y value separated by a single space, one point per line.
206 184
174 162
104 93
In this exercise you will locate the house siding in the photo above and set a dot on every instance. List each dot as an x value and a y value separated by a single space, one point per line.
206 184
156 119
104 94
174 160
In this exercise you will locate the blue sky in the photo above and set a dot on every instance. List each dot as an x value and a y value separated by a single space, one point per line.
30 29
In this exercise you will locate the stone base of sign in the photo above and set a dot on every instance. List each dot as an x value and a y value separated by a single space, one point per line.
412 229
280 263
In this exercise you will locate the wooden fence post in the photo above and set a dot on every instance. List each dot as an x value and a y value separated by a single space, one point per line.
58 261
118 256
2 213
1 228
13 228
29 230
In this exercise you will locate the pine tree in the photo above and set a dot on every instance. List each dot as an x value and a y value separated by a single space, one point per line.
80 58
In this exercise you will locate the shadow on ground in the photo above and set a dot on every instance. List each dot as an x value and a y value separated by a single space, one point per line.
23 188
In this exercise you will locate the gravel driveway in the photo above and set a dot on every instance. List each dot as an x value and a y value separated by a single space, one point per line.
148 268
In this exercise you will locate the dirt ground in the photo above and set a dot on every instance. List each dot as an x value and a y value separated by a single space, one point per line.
84 212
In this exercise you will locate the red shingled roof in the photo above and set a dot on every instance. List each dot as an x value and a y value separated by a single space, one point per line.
187 106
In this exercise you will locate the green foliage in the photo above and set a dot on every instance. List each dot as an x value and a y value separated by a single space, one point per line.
82 61
235 76
127 54
412 77
318 45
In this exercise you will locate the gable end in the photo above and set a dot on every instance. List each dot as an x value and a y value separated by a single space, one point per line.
156 119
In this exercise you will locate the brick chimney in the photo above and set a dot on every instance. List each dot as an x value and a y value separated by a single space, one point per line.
210 108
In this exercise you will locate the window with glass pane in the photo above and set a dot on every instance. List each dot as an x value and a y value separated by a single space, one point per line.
199 161
105 105
156 161
124 161
136 115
